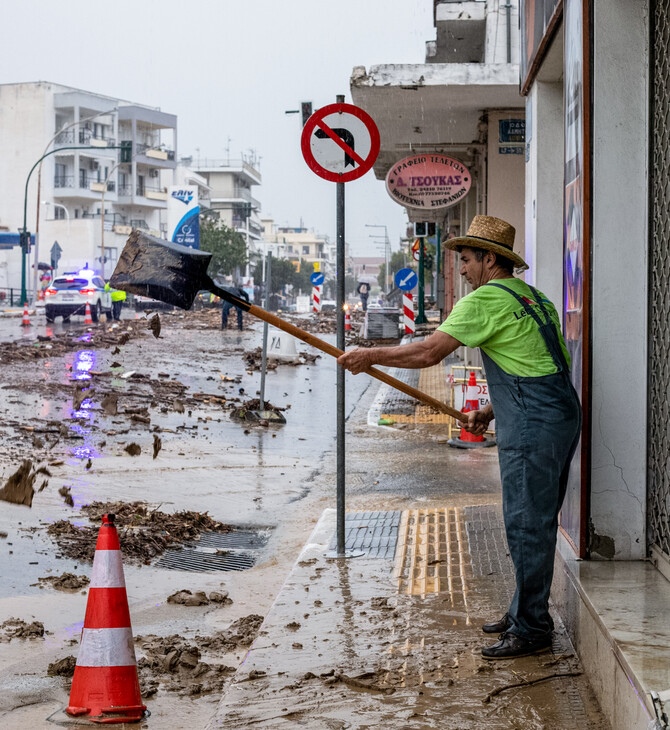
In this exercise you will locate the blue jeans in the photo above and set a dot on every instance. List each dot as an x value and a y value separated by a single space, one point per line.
227 306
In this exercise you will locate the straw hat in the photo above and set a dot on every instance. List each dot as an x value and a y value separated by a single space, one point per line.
491 234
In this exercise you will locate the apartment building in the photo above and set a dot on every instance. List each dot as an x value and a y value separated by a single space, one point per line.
230 182
296 243
89 200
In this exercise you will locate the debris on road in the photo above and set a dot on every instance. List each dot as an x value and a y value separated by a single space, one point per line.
155 325
175 665
133 449
63 667
19 488
158 445
66 581
240 633
16 628
239 412
67 497
199 598
144 533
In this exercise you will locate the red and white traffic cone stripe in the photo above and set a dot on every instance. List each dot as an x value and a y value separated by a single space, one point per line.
316 298
467 440
347 319
25 322
87 318
408 313
105 686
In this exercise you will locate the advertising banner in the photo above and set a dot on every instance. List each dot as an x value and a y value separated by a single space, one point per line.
183 216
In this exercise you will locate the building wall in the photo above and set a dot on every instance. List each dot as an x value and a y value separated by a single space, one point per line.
506 176
619 274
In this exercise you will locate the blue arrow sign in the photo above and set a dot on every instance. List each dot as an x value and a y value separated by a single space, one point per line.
317 278
406 279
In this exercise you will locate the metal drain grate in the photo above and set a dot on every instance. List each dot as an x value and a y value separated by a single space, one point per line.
376 533
218 551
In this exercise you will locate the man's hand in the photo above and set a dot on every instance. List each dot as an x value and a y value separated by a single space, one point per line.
478 421
357 360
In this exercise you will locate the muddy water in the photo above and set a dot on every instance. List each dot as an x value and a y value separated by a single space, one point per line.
207 463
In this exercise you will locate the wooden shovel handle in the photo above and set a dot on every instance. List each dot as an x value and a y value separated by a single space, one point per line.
336 352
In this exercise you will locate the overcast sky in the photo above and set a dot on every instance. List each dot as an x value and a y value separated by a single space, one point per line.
230 70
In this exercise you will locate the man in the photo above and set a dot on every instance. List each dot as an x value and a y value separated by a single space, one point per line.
118 298
537 412
363 290
227 306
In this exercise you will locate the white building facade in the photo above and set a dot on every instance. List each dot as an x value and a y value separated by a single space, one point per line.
89 199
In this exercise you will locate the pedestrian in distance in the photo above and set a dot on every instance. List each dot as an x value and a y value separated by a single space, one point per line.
227 306
363 291
537 413
118 298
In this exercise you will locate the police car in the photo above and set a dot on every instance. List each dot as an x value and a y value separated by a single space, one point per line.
68 294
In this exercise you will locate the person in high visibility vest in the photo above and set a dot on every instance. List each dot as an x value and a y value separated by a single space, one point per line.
118 298
537 411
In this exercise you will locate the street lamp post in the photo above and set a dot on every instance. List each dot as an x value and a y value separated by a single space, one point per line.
386 253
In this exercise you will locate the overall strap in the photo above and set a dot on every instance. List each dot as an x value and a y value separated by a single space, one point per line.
547 328
524 303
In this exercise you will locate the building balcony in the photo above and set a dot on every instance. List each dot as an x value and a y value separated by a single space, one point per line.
150 196
156 156
75 137
70 186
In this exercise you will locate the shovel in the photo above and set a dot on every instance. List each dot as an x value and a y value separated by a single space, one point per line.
174 274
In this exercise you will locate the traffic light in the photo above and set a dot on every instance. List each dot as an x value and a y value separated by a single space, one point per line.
424 229
246 210
317 266
126 151
306 110
24 240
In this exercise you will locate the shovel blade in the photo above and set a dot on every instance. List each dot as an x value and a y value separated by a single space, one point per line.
162 270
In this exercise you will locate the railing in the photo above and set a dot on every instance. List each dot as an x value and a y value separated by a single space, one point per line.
139 223
82 136
141 149
64 181
115 219
125 190
67 181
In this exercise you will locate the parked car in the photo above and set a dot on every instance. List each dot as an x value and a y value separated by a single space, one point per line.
328 305
68 294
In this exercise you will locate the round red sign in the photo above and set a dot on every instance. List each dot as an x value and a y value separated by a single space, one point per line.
428 181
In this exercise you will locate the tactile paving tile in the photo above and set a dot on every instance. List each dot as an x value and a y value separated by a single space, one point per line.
374 533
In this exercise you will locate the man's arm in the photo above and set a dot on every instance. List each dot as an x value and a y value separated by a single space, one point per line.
420 354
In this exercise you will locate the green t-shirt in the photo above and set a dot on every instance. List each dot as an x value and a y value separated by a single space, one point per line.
494 320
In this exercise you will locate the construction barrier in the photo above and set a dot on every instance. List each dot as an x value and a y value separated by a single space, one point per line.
408 313
316 298
105 687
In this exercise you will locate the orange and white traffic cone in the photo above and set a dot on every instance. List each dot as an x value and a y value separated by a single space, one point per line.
105 688
88 319
25 322
468 440
347 318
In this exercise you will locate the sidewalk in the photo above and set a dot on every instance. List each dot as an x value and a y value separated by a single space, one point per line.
392 639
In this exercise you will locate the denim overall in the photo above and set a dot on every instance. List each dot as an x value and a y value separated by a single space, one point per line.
538 421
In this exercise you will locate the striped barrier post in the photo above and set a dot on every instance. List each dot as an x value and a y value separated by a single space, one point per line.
316 298
105 687
408 313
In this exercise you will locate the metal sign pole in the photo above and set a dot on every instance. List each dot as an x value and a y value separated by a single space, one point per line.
340 371
421 317
267 277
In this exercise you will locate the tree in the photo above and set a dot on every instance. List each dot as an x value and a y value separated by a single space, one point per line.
227 246
396 263
283 274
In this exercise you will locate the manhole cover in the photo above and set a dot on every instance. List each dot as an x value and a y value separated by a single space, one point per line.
234 550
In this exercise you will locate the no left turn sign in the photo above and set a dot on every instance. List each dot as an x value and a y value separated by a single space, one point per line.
340 142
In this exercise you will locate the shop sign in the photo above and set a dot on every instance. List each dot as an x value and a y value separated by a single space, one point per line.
428 182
